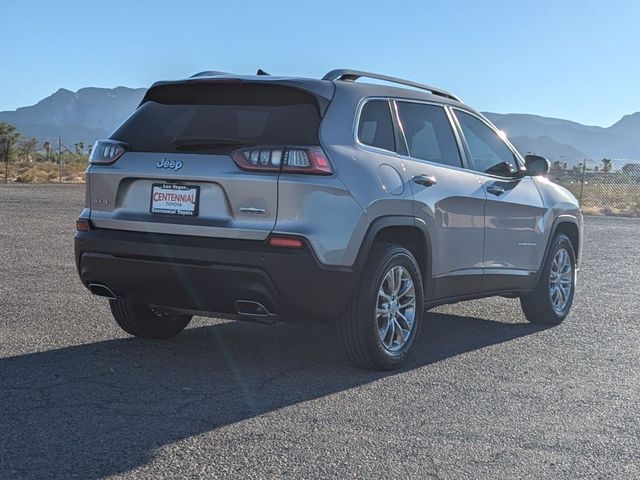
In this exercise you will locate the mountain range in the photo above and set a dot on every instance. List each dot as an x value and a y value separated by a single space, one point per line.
570 141
82 116
91 113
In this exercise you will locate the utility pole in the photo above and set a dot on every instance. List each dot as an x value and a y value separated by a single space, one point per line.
59 159
6 161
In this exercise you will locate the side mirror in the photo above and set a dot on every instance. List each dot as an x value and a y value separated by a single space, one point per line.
536 165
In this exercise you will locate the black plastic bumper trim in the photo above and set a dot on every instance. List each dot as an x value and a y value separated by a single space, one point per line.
211 274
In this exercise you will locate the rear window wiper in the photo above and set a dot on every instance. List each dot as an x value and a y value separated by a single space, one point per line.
186 143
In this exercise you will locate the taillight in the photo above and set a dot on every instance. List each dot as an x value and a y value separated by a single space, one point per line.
309 160
105 152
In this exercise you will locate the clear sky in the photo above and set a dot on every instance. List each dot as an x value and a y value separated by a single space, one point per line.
574 59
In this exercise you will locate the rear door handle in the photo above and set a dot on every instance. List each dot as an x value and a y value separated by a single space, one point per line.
425 180
495 190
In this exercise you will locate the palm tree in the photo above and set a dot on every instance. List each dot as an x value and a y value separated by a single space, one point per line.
79 148
606 165
47 149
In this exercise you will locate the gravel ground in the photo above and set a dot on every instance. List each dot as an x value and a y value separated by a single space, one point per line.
487 395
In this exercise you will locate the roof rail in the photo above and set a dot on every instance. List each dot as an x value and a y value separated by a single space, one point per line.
208 73
353 75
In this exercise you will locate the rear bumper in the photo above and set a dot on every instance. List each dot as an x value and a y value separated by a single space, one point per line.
210 275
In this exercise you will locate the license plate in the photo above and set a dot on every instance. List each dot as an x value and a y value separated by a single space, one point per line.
171 199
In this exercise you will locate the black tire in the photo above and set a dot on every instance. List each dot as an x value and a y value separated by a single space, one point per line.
141 321
537 305
358 327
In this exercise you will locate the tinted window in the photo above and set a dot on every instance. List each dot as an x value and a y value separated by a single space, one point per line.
486 148
429 134
260 114
376 127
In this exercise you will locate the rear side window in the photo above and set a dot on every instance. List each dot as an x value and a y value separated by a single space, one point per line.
376 127
429 133
487 149
212 117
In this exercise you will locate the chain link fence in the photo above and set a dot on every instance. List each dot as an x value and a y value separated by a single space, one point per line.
604 187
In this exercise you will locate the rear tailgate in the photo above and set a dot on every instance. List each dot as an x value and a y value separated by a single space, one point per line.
231 203
171 179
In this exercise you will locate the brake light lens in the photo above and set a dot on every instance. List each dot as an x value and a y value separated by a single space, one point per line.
309 160
105 152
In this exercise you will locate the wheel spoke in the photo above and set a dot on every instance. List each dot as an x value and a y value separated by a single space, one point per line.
402 338
382 332
397 279
392 331
408 303
407 288
407 324
391 281
561 296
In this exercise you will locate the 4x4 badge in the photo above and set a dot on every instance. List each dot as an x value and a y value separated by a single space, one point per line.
170 164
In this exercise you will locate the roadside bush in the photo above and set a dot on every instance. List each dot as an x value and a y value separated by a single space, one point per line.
24 178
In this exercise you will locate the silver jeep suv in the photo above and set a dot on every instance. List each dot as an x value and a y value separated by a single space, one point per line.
362 204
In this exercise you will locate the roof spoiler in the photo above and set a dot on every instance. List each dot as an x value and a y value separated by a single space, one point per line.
348 75
322 91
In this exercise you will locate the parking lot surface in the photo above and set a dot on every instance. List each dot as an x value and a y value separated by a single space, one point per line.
486 396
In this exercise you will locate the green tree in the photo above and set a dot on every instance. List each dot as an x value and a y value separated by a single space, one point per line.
606 165
9 136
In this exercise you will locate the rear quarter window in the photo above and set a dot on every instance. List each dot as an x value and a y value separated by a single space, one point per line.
375 126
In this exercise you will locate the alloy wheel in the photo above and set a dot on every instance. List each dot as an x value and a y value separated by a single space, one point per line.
560 281
395 309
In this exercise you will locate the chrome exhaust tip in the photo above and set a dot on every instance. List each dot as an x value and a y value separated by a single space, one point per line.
102 291
254 311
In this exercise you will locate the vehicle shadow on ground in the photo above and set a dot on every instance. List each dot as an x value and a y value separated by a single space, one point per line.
100 409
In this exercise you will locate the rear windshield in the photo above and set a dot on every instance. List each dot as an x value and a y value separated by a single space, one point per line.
210 117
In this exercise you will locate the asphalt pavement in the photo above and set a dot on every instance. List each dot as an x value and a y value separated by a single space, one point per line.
487 395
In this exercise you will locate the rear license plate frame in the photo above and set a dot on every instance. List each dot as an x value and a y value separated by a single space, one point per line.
178 209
